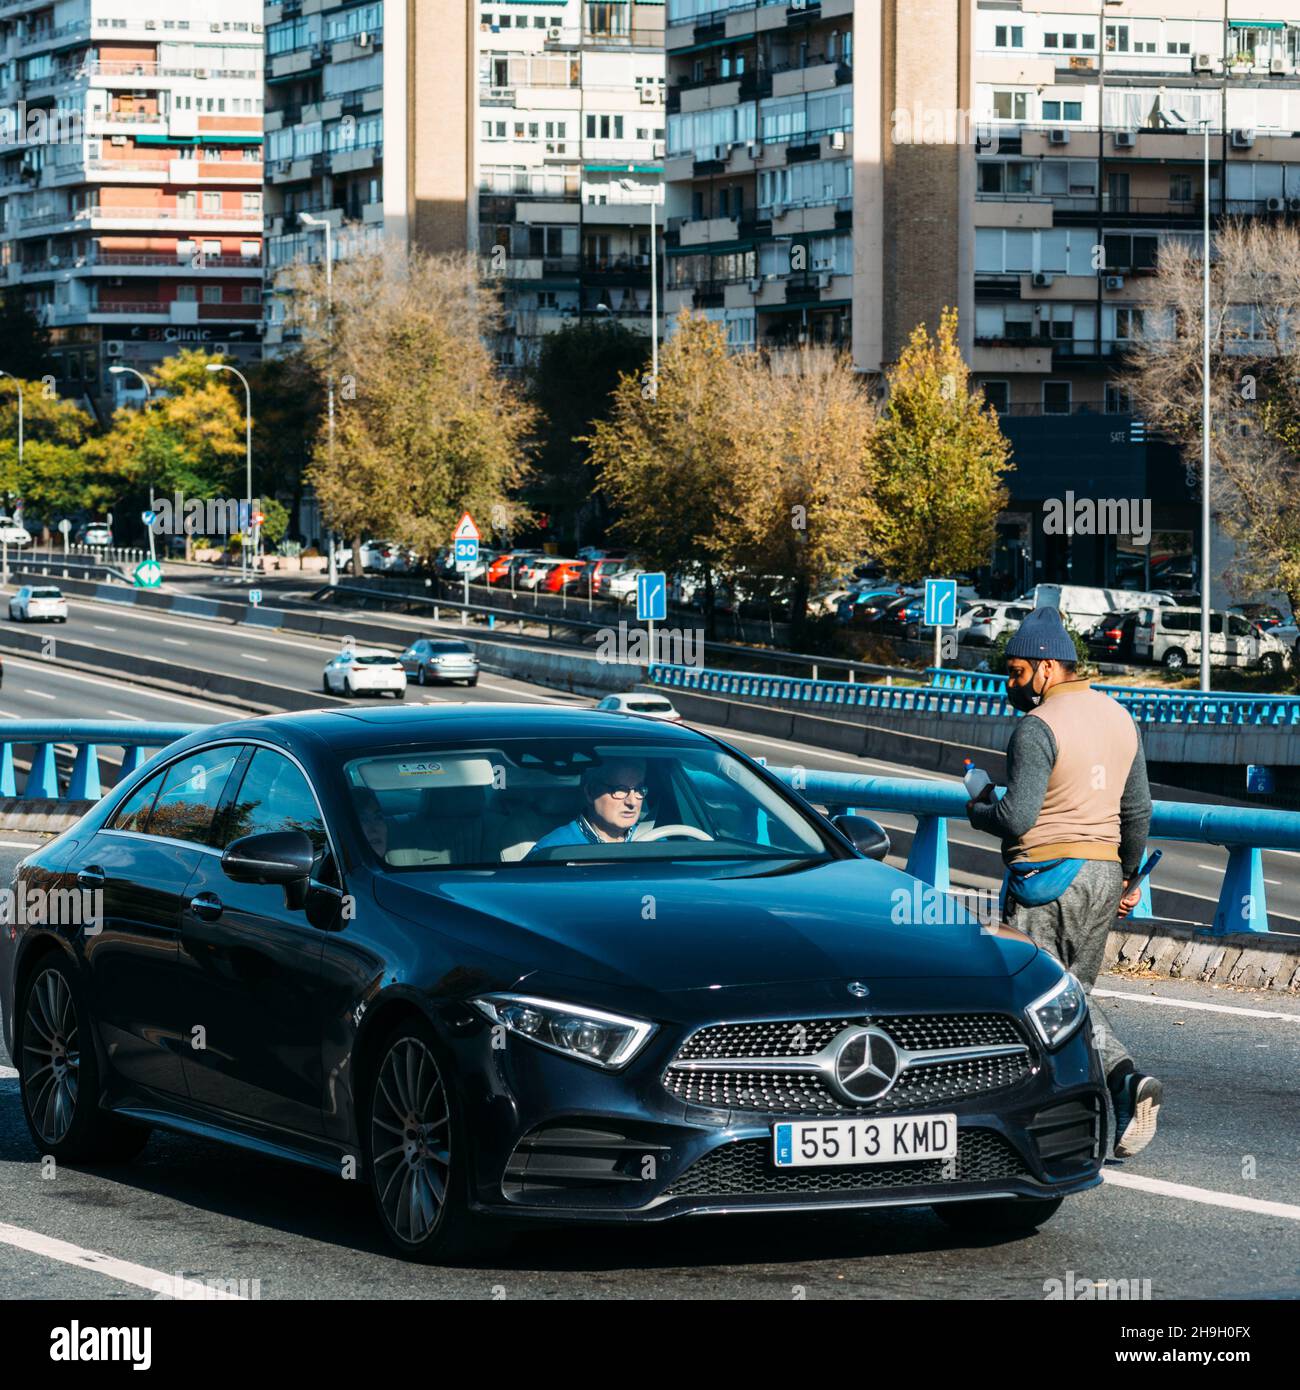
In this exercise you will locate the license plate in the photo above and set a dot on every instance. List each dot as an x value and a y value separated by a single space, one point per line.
809 1143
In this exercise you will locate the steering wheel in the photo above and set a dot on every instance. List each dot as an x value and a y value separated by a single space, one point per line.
664 832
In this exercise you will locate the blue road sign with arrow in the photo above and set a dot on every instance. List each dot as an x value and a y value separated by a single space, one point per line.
940 603
651 597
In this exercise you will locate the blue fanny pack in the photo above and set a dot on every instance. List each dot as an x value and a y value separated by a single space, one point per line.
1031 884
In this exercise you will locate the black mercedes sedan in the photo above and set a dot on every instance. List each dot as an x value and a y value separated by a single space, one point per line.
518 962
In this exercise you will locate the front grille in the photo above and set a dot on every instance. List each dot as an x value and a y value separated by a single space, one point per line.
797 1037
745 1169
792 1093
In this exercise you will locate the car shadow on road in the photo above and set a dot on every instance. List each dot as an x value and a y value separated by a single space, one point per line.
285 1202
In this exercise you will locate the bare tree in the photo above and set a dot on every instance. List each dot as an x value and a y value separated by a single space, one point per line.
1254 388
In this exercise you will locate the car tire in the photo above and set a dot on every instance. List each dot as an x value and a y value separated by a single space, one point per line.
325 685
1175 659
348 692
999 1215
54 1035
428 1163
1270 663
422 678
473 680
399 694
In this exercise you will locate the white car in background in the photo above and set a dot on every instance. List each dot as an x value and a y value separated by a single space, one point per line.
651 706
43 603
990 620
533 574
14 532
365 671
622 586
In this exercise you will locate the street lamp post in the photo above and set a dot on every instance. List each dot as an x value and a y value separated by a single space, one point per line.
4 567
248 454
1205 411
308 220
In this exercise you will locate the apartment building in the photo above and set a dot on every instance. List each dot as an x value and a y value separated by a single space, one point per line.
570 137
840 171
131 181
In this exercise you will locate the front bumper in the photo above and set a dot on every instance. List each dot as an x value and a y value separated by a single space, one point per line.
557 1139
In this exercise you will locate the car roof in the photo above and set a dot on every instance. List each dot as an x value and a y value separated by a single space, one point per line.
378 728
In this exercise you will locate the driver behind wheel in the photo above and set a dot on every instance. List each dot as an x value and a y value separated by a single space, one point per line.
614 794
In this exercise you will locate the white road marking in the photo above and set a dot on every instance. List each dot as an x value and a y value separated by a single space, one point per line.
7 714
175 642
20 844
40 694
524 694
8 1073
224 710
99 627
1193 1004
1158 1187
122 1270
1273 882
122 715
1213 868
248 656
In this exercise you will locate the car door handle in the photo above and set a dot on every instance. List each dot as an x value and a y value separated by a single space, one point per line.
92 876
206 906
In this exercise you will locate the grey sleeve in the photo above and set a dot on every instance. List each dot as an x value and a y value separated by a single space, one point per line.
1031 755
1134 812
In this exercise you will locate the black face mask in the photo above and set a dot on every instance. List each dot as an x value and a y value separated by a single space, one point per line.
1024 697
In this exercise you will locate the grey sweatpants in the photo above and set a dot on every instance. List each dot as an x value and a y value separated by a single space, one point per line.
1074 929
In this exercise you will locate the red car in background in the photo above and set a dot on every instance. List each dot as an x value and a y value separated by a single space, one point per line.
565 574
498 572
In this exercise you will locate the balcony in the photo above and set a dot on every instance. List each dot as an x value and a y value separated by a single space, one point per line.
802 289
708 296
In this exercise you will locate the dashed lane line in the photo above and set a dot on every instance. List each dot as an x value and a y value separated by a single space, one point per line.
1192 1004
1158 1187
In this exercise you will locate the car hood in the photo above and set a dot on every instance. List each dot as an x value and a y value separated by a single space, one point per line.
683 926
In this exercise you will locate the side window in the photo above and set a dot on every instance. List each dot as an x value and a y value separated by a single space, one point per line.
190 794
1238 627
274 795
133 813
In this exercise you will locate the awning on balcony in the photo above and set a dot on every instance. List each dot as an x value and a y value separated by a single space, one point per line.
252 138
623 168
1256 24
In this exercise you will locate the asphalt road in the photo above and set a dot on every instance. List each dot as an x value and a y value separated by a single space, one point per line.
1186 884
1210 1210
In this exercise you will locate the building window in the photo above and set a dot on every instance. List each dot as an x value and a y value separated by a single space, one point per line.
1117 38
1051 40
1009 36
250 294
1180 188
185 294
1063 111
1128 324
1010 106
1056 398
1118 400
212 202
212 294
250 250
998 395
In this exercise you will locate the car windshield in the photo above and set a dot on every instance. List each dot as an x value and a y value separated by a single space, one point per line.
648 706
560 801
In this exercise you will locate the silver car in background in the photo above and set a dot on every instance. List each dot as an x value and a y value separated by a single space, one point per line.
434 660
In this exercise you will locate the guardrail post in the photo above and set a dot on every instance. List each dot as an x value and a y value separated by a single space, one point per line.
84 783
1243 902
8 787
43 779
929 857
131 759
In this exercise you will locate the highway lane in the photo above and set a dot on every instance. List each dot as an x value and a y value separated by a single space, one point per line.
1187 882
1208 1211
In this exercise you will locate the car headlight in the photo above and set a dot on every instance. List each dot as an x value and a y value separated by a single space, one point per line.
1058 1013
605 1040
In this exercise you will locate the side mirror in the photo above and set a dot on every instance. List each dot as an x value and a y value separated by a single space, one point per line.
868 836
278 856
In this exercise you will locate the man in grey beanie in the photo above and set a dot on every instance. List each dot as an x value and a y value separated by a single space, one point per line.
1073 824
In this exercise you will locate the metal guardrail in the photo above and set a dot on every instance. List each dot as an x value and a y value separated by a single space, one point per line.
977 693
86 736
1245 832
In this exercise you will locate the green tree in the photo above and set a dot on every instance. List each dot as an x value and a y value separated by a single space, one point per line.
288 412
24 342
52 479
937 463
189 438
426 425
799 502
665 458
572 385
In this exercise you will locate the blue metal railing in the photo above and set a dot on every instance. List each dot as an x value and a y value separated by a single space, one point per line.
1244 831
86 736
979 693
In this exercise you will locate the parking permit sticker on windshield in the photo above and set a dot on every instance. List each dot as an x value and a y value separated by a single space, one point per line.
419 769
